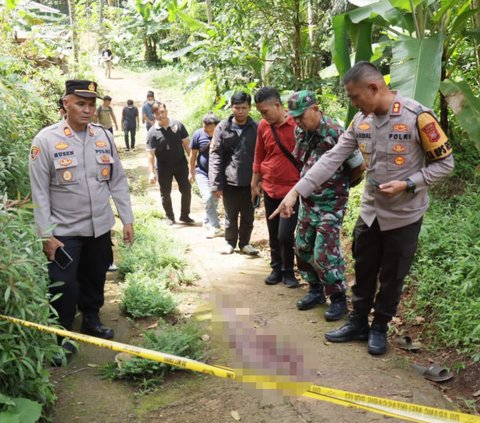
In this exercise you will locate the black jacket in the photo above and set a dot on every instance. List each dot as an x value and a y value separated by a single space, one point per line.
231 155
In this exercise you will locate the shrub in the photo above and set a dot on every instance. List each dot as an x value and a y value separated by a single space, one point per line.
23 294
144 296
19 410
155 253
446 272
183 340
20 122
353 210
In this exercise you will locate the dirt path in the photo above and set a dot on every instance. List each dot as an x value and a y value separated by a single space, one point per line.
85 397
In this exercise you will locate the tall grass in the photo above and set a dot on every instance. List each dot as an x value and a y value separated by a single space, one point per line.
446 272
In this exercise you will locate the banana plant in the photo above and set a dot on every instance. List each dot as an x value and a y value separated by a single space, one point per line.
465 105
424 36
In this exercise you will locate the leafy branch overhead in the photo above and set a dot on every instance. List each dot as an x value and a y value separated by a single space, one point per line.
423 37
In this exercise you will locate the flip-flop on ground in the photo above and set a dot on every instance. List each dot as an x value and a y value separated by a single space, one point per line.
434 372
406 343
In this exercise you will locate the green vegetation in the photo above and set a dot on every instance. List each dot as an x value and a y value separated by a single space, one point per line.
446 274
26 98
144 296
155 254
183 339
19 410
154 268
23 294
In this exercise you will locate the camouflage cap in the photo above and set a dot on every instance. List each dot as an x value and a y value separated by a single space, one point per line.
301 101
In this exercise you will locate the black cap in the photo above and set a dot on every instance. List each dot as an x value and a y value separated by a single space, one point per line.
82 88
150 94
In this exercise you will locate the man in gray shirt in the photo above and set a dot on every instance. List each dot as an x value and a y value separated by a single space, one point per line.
74 170
405 151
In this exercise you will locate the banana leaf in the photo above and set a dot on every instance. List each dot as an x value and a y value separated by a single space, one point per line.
416 67
340 50
465 105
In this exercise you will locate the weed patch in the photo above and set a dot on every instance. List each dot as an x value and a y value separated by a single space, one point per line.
446 272
183 340
144 296
152 266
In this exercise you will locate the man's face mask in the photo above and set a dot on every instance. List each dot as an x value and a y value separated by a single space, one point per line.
151 102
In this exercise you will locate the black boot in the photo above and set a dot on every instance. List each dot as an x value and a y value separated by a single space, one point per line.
377 339
91 325
290 280
274 277
355 329
337 308
313 298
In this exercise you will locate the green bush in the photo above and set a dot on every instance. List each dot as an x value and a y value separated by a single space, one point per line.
23 294
144 296
446 272
20 122
155 253
183 340
353 210
19 410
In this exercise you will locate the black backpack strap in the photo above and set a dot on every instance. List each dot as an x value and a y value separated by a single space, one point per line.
287 154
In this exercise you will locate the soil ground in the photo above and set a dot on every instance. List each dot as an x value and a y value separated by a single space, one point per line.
83 396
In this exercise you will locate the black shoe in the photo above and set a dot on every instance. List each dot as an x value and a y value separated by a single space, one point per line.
170 221
313 298
96 328
377 339
64 358
186 219
290 280
356 329
274 277
337 308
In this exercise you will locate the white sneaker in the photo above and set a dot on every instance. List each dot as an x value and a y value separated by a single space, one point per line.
228 249
248 249
214 232
112 267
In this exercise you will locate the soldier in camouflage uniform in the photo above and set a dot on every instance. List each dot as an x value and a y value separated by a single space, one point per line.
319 255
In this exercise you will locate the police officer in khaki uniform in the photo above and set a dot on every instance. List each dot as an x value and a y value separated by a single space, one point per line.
405 151
74 169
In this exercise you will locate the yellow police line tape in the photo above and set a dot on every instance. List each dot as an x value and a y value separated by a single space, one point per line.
386 407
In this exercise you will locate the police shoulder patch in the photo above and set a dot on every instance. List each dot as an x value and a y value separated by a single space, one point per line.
434 140
34 152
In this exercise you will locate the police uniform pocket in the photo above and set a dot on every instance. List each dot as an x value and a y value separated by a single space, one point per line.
66 170
397 155
104 167
365 147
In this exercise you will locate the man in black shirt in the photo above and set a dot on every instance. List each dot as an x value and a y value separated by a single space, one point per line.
167 141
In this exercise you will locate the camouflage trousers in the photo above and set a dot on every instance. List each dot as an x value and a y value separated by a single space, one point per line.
317 247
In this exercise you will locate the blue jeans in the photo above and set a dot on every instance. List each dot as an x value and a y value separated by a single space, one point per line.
208 199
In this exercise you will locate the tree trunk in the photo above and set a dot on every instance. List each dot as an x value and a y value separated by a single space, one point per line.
150 50
208 3
73 25
443 102
297 45
310 22
476 24
100 14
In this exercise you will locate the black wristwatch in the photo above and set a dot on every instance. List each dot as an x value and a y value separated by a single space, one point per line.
411 187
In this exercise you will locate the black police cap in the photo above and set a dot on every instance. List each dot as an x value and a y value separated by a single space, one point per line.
82 88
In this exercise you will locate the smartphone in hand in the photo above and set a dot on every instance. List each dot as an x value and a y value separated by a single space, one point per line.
373 182
256 203
62 258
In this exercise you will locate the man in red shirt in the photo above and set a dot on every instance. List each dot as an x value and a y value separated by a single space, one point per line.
275 171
